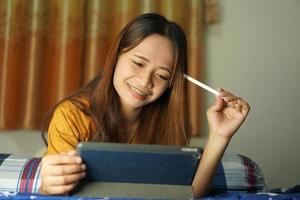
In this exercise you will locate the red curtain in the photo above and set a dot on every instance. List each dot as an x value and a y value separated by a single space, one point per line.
50 48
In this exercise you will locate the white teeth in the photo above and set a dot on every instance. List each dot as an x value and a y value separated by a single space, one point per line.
137 91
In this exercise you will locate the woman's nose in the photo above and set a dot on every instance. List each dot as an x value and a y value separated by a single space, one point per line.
146 79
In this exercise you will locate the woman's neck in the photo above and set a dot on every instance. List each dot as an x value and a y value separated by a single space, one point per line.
126 133
129 123
129 115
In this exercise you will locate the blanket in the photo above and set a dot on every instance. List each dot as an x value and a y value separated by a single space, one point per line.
227 196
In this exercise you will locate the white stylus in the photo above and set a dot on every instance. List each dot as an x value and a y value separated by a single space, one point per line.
196 82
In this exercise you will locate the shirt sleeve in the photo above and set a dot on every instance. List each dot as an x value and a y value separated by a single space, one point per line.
67 128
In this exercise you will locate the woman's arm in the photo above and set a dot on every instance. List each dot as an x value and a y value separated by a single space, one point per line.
212 154
224 118
61 171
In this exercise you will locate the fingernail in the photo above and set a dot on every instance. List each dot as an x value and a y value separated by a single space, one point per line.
83 166
78 160
71 153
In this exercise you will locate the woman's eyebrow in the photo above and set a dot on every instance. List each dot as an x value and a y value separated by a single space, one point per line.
142 57
146 59
166 69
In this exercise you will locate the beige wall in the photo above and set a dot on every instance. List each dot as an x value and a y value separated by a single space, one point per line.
255 52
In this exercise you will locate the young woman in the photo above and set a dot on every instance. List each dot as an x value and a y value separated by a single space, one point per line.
138 98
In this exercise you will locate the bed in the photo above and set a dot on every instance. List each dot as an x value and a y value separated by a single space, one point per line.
21 173
237 177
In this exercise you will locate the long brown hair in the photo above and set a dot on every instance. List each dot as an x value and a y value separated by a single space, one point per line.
165 121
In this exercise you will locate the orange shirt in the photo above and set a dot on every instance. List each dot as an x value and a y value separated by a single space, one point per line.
68 127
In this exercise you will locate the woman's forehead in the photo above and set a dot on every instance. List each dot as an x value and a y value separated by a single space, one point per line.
155 48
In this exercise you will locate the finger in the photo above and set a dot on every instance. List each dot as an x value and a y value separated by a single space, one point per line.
57 170
245 106
230 104
243 103
220 89
61 189
234 113
224 93
56 159
63 180
233 109
238 107
219 104
72 153
231 99
227 96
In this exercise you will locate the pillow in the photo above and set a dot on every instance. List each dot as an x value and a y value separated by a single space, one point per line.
19 173
237 173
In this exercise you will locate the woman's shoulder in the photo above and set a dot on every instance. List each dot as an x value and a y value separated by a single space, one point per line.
75 110
74 105
68 126
69 115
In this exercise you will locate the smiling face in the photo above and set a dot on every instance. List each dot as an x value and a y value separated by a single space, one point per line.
143 73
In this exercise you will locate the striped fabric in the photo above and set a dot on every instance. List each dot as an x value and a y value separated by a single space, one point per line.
238 173
19 173
235 173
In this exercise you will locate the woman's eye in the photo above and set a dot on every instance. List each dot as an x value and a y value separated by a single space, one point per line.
137 63
162 77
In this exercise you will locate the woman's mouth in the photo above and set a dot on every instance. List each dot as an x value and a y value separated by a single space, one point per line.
137 93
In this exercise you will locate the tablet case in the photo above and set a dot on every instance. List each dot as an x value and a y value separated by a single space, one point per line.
135 163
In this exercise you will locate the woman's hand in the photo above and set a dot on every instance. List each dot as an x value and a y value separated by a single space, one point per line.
227 114
60 173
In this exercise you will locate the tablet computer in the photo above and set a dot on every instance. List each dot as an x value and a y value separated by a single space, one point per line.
139 163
